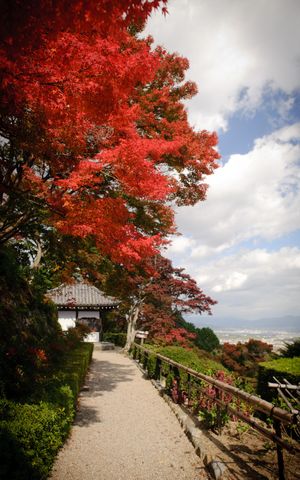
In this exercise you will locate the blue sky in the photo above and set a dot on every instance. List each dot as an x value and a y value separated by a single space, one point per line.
242 244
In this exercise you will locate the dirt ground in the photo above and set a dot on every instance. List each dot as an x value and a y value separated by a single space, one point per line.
248 455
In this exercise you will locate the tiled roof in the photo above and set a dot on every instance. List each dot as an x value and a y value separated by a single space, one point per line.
80 295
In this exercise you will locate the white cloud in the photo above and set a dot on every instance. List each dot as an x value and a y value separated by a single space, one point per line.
253 284
240 55
256 195
237 51
180 244
231 281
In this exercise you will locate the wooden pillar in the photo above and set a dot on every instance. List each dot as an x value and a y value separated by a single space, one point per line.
100 326
157 373
280 460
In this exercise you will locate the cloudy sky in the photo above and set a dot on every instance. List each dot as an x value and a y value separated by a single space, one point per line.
242 244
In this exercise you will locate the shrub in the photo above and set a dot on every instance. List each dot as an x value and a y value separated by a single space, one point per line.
75 335
118 339
31 434
184 388
28 329
192 359
291 350
244 358
213 416
282 368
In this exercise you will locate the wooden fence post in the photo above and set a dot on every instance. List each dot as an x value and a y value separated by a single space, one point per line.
188 387
157 369
280 460
219 412
145 360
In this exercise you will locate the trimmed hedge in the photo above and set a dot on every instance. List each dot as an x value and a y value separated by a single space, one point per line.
119 339
288 368
190 358
31 434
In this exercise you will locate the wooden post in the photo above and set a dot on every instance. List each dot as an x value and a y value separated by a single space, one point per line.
188 387
157 369
145 360
280 460
219 412
178 384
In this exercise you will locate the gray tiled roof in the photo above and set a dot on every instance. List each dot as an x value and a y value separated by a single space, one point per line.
80 295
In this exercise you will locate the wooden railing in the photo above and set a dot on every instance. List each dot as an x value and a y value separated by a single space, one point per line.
279 416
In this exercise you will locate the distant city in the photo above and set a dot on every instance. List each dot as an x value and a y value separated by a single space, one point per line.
275 331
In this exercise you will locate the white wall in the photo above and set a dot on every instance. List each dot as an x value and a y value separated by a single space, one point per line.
88 314
92 337
67 319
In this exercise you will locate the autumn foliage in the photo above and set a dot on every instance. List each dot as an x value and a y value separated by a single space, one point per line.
96 151
154 294
243 358
95 137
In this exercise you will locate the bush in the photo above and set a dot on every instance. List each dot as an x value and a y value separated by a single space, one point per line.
28 329
291 350
119 339
75 335
31 434
192 359
74 370
282 368
244 358
184 388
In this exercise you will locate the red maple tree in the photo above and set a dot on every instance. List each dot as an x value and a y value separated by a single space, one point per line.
96 140
152 294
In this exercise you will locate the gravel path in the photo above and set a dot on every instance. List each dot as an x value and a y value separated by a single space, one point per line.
124 430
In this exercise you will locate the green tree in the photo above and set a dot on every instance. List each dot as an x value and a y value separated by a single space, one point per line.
291 350
206 339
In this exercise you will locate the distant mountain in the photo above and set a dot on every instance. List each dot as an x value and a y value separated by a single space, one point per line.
285 323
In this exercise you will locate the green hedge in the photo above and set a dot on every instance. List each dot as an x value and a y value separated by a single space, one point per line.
191 359
118 339
288 368
76 365
188 358
31 434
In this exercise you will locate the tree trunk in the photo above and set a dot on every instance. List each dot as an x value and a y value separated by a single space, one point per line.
131 327
38 256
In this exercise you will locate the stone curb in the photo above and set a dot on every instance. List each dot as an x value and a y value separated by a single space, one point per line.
216 468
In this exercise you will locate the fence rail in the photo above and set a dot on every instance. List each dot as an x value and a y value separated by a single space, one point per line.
279 416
